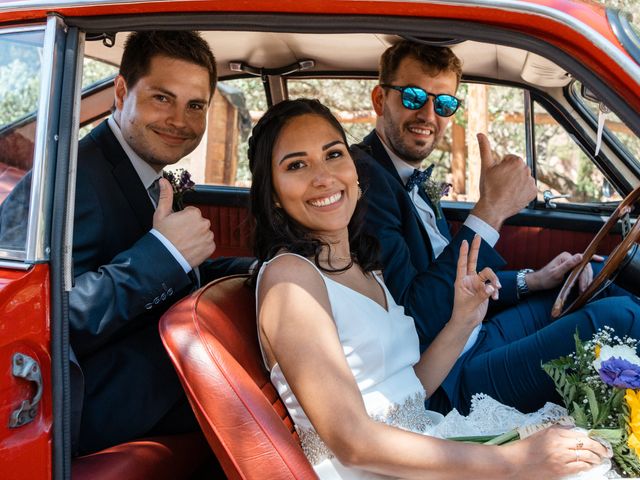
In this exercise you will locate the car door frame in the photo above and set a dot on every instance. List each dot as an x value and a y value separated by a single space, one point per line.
36 450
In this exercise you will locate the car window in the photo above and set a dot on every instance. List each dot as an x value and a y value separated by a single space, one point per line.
97 102
20 73
563 168
221 157
622 135
495 110
348 99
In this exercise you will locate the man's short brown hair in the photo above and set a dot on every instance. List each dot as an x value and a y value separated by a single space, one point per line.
434 60
141 47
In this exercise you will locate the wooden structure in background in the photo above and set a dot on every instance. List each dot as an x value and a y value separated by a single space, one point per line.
221 161
478 122
458 159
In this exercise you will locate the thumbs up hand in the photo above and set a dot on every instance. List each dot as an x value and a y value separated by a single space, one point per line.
506 186
165 201
187 230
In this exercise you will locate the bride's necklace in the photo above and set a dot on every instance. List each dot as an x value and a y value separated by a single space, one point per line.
334 258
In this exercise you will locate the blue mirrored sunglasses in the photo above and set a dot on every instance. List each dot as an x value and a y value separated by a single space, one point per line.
415 98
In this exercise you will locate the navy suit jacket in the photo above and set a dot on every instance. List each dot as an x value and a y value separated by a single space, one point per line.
125 279
417 280
122 381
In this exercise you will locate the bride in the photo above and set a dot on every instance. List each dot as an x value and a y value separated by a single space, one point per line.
342 354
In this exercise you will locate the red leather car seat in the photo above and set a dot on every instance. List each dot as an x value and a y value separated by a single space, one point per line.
211 338
169 457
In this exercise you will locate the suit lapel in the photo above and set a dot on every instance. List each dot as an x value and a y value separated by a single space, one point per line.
380 154
125 175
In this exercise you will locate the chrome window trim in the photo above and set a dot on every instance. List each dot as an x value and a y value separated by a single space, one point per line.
7 255
37 248
30 28
15 265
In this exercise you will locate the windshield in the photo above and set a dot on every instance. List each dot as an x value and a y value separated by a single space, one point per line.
622 135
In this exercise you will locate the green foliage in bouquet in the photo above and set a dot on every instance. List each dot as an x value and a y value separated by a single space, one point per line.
600 385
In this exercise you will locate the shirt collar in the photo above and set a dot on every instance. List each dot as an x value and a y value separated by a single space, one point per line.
145 172
403 168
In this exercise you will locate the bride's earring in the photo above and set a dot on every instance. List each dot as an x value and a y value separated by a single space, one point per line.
359 190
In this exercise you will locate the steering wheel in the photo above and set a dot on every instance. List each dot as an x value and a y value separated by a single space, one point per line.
611 264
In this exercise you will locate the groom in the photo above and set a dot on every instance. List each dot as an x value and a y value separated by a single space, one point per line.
414 102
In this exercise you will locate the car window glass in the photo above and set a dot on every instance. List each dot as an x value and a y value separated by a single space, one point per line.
563 168
623 136
221 157
20 73
97 88
348 99
495 110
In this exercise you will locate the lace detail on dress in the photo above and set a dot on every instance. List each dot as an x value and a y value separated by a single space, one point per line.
490 417
410 415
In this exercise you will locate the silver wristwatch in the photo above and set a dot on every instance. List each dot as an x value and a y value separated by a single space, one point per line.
522 289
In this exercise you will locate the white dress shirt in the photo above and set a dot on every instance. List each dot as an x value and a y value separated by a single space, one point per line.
428 219
147 176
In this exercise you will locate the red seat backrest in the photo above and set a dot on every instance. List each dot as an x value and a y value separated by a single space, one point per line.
211 337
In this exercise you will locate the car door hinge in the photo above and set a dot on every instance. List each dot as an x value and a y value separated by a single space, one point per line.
26 367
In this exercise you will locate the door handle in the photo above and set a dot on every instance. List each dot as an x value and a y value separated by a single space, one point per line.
26 367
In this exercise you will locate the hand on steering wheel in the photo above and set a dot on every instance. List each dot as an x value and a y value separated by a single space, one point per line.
611 264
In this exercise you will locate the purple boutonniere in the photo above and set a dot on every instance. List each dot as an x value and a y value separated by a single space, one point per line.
181 182
435 191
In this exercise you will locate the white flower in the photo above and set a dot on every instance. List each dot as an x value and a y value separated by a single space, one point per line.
624 352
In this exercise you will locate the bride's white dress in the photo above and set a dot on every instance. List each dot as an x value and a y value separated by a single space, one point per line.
381 347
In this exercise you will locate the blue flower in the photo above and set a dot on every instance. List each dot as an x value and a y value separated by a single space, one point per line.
620 373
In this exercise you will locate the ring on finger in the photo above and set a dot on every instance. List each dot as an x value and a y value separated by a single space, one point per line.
579 444
577 455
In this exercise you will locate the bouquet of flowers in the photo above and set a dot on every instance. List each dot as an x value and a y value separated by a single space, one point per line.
600 387
181 182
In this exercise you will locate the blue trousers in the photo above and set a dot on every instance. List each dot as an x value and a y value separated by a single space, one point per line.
505 362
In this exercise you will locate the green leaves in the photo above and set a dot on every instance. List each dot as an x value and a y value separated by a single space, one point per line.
592 403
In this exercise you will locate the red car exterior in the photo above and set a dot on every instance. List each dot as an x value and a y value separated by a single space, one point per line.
29 286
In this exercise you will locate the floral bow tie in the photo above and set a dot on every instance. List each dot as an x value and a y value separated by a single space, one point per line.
418 177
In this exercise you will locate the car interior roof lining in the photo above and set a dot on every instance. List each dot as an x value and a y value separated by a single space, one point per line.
380 26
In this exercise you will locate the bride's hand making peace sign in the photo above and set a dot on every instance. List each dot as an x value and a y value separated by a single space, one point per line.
472 289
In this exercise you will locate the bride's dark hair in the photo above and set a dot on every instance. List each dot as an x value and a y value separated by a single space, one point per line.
274 229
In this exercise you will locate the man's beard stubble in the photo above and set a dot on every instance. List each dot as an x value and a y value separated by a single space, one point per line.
415 154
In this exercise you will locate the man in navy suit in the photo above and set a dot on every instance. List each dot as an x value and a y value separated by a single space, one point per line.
414 102
133 256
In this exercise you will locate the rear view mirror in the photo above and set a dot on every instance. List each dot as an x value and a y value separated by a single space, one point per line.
588 94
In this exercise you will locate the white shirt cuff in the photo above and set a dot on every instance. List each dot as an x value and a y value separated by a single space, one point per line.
172 250
482 228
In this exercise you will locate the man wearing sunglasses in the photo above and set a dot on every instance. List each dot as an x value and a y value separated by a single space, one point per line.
414 101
